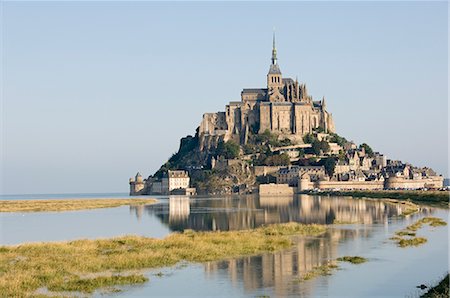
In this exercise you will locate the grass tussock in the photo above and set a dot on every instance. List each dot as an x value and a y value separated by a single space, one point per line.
407 237
352 259
414 241
323 270
67 205
441 290
87 265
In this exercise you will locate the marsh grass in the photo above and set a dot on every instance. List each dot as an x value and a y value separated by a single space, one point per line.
67 205
86 265
433 198
352 259
414 241
323 270
407 237
441 290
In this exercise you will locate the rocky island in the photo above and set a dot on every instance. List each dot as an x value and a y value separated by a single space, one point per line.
277 140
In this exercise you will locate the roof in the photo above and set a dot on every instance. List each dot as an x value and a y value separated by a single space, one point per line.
274 69
178 174
254 90
288 81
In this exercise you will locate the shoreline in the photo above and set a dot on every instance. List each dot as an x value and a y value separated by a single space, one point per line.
440 289
431 198
61 205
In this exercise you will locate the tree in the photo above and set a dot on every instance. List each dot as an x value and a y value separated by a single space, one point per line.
229 149
320 146
335 138
367 149
330 165
277 160
309 138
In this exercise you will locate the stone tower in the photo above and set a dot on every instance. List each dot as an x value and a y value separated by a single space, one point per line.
136 185
274 78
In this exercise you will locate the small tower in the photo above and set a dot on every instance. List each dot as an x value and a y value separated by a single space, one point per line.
136 185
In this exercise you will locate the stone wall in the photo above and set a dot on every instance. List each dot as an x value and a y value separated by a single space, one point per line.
265 170
275 189
350 185
402 183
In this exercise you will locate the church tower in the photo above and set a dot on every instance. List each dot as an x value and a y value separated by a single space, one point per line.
274 79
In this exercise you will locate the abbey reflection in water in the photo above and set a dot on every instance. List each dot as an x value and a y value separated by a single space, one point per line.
246 212
281 270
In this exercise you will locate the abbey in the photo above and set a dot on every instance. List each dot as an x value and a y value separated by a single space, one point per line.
283 107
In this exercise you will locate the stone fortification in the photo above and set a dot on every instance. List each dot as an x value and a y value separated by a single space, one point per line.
275 190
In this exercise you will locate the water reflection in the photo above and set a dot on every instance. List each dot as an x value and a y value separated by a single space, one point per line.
280 270
246 212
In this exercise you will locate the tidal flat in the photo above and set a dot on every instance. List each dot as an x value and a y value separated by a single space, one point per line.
67 205
87 265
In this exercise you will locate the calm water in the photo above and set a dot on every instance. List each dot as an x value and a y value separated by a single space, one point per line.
391 271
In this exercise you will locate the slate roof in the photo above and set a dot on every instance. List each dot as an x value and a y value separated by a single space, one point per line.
274 69
254 90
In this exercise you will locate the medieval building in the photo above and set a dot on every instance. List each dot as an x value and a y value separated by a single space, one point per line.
283 107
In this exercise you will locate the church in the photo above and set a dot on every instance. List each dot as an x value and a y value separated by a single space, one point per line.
283 107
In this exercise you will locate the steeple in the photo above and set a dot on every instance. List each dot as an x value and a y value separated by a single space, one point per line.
274 78
274 50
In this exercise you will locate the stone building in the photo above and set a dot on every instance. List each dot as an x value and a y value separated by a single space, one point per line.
283 107
172 182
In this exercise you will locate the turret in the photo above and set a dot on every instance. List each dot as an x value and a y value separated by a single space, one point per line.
137 185
138 178
323 104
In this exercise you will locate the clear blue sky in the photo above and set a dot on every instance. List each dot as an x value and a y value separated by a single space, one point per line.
95 91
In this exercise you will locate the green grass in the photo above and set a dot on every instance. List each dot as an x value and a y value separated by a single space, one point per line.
434 198
407 237
352 259
441 290
405 233
323 270
86 265
414 241
67 205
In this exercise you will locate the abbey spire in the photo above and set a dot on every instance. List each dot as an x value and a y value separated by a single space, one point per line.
274 78
274 51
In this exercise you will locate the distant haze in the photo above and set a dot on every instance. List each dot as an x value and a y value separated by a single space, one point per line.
95 91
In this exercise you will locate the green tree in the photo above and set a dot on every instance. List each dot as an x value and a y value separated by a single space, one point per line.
335 138
320 147
330 165
228 149
309 138
367 149
277 160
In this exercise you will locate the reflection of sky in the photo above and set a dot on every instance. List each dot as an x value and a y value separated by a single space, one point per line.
56 226
390 271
